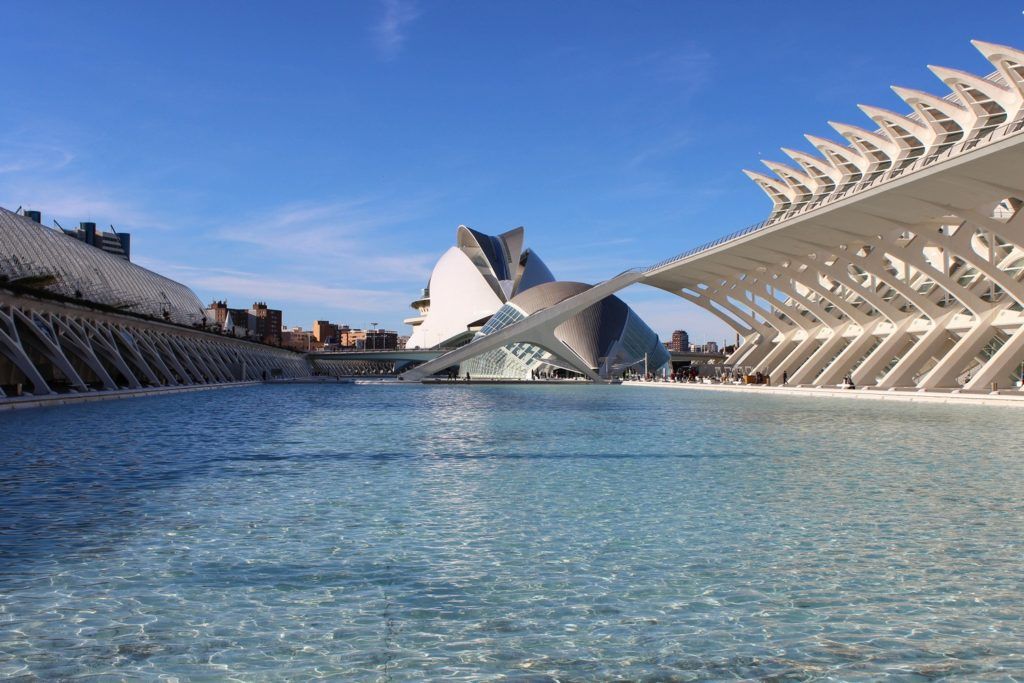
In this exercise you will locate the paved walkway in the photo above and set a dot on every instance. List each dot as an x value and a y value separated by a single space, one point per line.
16 402
1008 397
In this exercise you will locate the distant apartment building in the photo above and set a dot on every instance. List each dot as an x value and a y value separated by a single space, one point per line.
267 324
116 243
232 321
298 339
349 338
378 340
325 332
680 342
332 336
217 314
710 347
259 323
403 339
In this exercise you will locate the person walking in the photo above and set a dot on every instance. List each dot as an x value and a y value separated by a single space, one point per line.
785 378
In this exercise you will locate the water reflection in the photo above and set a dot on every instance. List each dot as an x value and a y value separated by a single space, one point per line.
475 532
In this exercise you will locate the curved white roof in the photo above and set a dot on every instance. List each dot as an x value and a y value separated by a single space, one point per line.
51 261
459 297
470 282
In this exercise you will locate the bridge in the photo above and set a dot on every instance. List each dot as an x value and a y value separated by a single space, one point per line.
393 361
894 260
697 358
395 355
368 361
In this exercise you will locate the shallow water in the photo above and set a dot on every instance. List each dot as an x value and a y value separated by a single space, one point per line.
532 533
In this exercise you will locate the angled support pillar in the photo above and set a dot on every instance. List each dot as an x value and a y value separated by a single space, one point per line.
757 338
750 344
154 358
200 352
171 359
101 342
1003 365
126 341
73 339
223 360
10 346
47 345
783 347
795 357
966 348
809 369
856 350
929 345
895 344
186 359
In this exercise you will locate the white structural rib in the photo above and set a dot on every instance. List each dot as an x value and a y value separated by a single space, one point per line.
780 194
1008 61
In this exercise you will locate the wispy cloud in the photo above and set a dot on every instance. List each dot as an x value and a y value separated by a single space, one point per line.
353 235
19 157
391 31
687 67
70 201
661 149
48 175
249 285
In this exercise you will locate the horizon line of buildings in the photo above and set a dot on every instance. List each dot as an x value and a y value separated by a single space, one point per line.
264 324
680 343
261 323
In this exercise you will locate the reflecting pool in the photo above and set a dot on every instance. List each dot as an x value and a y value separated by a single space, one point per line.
529 533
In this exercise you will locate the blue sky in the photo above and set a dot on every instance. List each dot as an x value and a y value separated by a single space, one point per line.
320 155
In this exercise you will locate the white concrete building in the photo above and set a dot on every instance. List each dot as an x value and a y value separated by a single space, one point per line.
487 282
470 282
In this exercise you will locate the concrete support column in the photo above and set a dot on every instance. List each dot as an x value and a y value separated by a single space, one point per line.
153 355
105 347
794 358
74 339
1002 367
10 346
125 341
896 343
46 345
749 345
171 358
855 350
809 370
784 347
967 347
928 346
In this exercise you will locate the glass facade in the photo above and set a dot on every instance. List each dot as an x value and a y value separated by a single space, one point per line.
636 341
494 250
517 360
626 348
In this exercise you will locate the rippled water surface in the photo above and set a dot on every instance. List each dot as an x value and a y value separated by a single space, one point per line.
532 533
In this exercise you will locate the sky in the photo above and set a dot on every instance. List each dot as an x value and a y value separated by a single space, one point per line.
320 156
